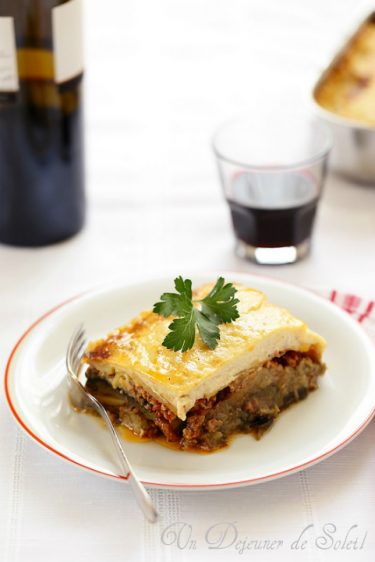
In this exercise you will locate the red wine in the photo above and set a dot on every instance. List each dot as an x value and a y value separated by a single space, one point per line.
41 130
275 211
273 228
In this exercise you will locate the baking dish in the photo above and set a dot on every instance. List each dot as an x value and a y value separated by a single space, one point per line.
353 154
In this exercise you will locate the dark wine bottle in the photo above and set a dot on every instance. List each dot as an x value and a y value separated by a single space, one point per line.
41 130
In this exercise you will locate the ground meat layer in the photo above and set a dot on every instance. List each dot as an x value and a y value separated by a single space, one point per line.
249 404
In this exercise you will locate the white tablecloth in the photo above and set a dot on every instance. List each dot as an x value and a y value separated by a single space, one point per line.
161 76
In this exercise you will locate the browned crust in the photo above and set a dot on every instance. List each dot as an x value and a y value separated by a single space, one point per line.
104 348
344 82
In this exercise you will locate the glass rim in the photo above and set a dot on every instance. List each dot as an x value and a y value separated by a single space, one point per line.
267 168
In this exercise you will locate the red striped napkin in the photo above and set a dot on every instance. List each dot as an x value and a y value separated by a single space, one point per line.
362 310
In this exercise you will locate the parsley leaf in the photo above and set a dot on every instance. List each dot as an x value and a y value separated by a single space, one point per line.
218 307
182 333
208 329
220 303
173 304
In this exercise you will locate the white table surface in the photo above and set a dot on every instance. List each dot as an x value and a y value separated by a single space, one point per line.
160 77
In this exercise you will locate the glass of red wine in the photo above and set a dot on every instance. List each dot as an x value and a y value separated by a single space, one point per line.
272 168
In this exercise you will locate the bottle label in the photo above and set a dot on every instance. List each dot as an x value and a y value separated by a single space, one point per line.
67 40
8 56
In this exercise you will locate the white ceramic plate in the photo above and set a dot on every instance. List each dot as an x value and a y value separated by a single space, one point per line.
303 435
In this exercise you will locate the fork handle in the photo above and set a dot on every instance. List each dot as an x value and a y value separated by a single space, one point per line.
140 492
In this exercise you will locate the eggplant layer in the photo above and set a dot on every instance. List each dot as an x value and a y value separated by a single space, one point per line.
249 404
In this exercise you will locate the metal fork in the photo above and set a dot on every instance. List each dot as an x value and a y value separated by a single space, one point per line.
81 398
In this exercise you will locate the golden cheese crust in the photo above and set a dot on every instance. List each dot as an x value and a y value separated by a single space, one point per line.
134 354
349 87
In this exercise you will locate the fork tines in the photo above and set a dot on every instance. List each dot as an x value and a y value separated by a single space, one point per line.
76 350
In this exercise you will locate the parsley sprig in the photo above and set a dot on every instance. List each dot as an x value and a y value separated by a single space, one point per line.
218 307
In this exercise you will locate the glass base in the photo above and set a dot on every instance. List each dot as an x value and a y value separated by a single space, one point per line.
272 256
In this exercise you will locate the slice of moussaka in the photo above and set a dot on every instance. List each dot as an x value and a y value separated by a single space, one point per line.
264 361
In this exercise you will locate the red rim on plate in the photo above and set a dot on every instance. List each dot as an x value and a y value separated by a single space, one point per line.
218 485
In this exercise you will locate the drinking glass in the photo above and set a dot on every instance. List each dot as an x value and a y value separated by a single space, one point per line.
272 167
